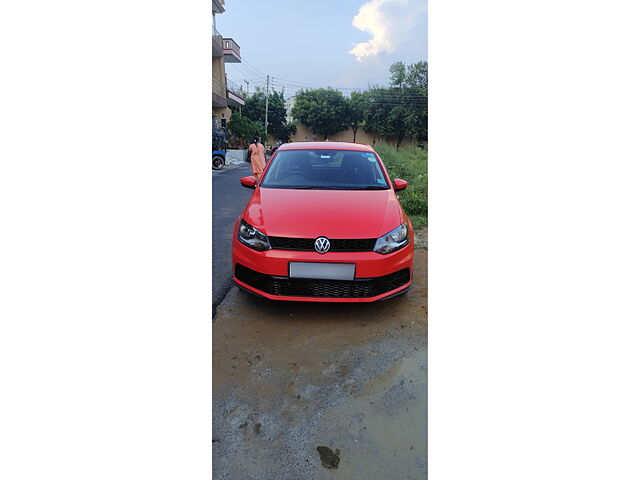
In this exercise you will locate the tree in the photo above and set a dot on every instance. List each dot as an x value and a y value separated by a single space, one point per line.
243 128
417 75
398 122
321 110
254 107
285 132
399 111
373 114
355 111
398 72
417 81
417 117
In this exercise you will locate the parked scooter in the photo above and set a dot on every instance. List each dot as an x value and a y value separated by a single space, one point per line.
271 150
218 151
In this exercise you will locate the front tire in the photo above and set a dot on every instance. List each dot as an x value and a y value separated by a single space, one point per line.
217 162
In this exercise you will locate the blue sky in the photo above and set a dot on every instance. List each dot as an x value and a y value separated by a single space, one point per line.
309 42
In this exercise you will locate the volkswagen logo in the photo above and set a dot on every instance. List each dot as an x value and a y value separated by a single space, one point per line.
322 245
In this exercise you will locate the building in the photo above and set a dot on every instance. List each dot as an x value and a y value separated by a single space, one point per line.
288 105
224 93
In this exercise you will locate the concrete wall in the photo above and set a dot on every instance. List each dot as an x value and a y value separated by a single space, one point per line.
218 78
303 134
236 156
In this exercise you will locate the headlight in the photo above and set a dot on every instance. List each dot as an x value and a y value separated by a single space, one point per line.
252 237
392 241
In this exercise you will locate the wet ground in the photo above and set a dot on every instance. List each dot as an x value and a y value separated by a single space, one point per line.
229 198
316 391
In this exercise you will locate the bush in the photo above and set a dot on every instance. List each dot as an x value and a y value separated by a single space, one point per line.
410 164
243 128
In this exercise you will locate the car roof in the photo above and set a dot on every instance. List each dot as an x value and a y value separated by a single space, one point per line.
326 146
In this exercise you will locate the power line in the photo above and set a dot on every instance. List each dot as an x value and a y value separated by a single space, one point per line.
245 71
300 85
247 77
257 71
393 98
380 94
307 84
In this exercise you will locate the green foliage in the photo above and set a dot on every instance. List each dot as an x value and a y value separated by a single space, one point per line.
285 132
398 73
393 113
399 111
254 109
243 128
417 75
321 110
409 164
355 111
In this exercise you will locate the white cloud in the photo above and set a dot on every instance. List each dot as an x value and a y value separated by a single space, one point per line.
389 22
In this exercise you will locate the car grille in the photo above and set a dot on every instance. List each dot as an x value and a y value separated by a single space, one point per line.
300 287
337 245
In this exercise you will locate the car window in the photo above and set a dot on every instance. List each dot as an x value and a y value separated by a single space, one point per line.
325 169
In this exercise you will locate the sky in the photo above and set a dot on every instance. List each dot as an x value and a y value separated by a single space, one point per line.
344 44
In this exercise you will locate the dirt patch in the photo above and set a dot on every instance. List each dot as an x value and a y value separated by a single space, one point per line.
348 377
421 238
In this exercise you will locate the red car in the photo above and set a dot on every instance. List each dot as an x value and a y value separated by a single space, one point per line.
325 225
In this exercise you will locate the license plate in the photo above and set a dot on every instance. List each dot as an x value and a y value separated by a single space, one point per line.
323 271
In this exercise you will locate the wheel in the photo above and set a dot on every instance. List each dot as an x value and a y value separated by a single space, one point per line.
217 162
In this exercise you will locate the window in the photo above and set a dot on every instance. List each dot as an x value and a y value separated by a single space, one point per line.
325 170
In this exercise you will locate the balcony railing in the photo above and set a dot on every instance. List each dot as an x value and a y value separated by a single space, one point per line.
235 95
218 87
218 93
217 47
217 35
233 87
231 50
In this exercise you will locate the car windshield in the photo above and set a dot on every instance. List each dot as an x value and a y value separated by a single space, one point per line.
325 170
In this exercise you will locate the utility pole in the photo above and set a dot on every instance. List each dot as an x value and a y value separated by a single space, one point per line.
266 112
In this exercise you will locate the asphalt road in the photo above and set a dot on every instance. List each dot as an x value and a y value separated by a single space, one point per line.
229 198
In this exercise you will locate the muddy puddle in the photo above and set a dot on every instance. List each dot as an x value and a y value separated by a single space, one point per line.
382 431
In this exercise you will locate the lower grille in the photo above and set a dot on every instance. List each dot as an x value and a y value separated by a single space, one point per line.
301 287
337 244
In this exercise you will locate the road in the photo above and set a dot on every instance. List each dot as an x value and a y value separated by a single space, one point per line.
292 380
229 198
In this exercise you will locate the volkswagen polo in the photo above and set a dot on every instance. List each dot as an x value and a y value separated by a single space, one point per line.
324 224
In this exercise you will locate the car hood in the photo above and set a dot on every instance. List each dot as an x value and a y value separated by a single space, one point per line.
329 213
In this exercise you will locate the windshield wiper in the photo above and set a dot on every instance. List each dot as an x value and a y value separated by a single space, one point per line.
371 187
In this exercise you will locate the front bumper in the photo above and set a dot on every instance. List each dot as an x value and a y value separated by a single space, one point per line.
377 276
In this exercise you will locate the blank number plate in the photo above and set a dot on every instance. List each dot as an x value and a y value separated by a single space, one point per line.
323 271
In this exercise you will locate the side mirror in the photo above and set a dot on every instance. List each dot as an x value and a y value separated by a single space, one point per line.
249 182
399 184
